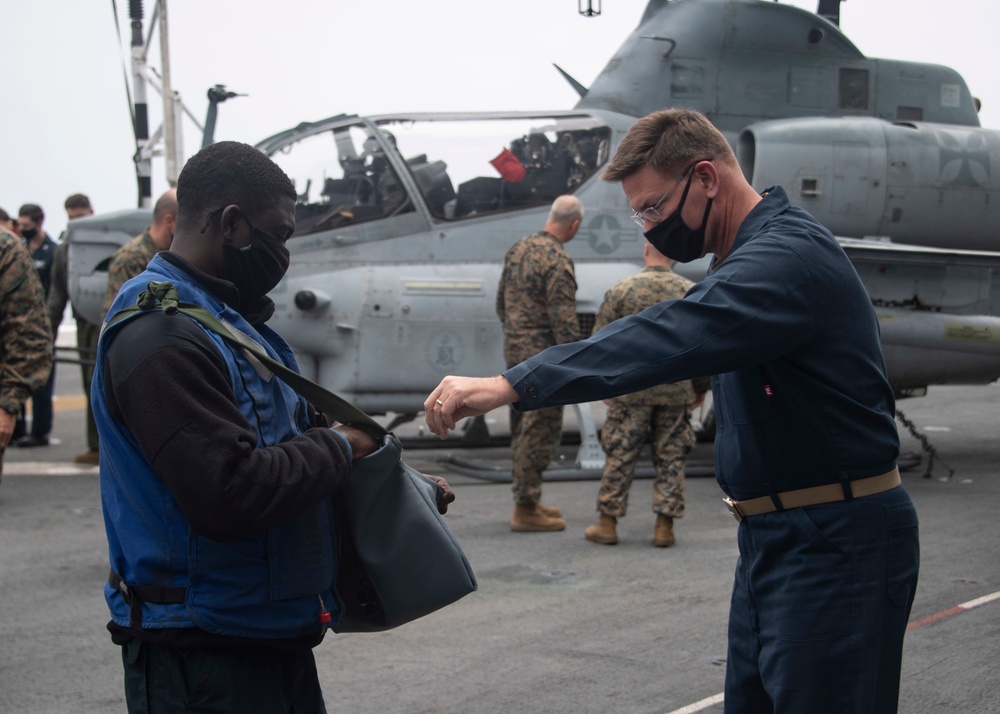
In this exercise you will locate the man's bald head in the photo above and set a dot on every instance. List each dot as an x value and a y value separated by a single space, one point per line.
164 219
565 218
166 205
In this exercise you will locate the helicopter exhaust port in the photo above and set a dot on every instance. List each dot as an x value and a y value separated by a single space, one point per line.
311 300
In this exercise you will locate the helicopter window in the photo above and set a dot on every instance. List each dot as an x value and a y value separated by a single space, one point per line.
342 177
853 89
472 167
909 113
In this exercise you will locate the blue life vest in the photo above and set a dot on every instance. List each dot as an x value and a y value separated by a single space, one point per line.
274 584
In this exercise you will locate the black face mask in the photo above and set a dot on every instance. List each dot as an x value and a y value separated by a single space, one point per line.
674 238
29 233
258 267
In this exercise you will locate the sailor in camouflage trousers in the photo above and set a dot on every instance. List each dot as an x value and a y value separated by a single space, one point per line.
536 302
660 414
25 334
133 257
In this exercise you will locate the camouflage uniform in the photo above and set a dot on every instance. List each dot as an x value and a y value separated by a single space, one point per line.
130 260
86 331
536 302
25 337
661 410
42 411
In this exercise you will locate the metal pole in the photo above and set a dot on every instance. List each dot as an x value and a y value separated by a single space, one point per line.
144 168
172 143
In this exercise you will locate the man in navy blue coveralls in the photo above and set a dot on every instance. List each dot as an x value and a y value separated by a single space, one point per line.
806 441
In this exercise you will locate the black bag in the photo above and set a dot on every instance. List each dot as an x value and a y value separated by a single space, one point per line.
397 559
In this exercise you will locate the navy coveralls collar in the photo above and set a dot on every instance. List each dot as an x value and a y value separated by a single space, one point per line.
774 201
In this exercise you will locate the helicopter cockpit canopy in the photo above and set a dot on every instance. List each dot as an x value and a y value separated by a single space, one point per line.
458 167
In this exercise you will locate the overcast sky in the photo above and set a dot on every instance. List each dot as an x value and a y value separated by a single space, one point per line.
66 125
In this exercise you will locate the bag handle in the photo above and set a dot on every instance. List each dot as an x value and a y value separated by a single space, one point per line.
165 295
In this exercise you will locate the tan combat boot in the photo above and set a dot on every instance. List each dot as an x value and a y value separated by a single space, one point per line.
91 458
550 511
663 534
529 519
604 531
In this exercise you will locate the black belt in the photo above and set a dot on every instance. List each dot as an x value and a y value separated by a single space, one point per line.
814 495
135 595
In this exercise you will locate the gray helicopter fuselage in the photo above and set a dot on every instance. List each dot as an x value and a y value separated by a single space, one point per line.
742 61
403 220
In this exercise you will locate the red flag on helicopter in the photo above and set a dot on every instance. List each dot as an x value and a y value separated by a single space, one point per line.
509 166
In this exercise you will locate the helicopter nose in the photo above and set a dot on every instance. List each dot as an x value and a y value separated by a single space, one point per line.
311 300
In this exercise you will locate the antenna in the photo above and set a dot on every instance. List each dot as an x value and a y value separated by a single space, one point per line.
167 140
830 9
216 95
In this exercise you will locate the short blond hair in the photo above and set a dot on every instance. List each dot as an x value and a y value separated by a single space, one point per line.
667 141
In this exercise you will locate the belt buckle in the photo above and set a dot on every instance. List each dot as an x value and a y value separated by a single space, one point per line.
734 508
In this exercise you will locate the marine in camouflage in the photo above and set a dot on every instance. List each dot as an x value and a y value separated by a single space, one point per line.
130 260
654 284
659 414
536 302
536 297
626 430
25 333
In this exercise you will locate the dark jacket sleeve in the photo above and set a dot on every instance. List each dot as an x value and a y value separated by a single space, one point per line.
59 286
724 323
167 384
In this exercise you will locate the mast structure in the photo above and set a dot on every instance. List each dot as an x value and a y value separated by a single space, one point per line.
167 140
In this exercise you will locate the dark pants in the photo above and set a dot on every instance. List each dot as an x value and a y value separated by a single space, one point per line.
87 334
820 605
41 411
220 680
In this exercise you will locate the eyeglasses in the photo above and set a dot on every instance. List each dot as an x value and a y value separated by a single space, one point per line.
650 213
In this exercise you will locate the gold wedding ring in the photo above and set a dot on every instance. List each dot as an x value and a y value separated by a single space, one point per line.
439 402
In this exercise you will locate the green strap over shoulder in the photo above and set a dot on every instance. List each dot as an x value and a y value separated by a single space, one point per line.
164 295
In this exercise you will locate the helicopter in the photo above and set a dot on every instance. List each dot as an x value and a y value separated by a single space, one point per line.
403 219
